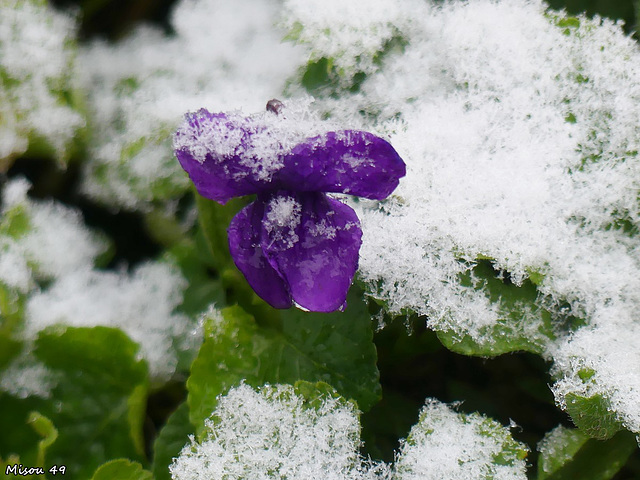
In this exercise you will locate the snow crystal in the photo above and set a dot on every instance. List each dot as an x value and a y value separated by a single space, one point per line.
141 304
35 55
445 444
137 105
283 212
274 432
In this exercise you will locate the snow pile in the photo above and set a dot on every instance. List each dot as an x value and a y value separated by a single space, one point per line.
520 131
36 67
445 444
276 433
225 55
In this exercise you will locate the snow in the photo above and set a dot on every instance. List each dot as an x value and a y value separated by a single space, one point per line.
140 303
14 271
521 138
349 33
36 56
282 218
445 444
137 105
273 432
26 377
43 250
57 247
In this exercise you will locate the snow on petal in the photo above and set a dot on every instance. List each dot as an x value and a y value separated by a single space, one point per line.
314 249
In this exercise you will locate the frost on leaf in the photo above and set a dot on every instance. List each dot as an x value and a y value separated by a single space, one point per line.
37 90
35 240
346 37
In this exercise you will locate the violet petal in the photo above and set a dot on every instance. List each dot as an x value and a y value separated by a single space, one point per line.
244 243
349 161
313 242
220 154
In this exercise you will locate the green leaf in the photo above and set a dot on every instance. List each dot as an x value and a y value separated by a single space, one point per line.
10 461
340 344
593 415
336 348
202 289
18 439
511 450
169 443
214 220
316 393
566 454
15 222
518 312
11 318
99 401
121 469
319 75
44 427
9 349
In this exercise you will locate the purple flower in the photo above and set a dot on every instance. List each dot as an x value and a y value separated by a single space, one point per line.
294 244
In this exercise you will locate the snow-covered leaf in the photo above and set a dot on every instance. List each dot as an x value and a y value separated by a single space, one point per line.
40 107
335 348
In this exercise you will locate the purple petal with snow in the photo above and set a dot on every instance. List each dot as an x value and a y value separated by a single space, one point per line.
244 243
349 161
227 155
312 241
